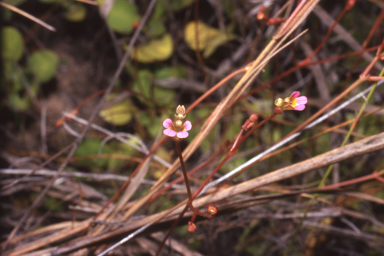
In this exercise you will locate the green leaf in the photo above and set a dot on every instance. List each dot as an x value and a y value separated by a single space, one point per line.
178 71
18 102
164 96
151 123
143 85
155 50
154 28
160 11
209 38
43 64
181 4
122 16
12 45
75 12
90 147
119 114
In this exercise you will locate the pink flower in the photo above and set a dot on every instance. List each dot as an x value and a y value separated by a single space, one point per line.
170 130
294 102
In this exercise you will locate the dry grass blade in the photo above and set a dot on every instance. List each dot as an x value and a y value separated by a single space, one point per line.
363 146
27 15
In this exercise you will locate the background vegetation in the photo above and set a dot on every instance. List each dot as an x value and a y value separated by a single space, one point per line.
66 150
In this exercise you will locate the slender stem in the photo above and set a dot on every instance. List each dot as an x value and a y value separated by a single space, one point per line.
178 149
171 229
190 198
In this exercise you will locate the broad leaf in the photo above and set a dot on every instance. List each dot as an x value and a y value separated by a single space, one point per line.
209 38
122 16
75 12
118 114
12 45
155 50
43 65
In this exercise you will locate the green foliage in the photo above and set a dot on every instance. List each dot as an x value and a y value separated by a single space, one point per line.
43 64
155 50
122 16
181 4
154 29
209 38
118 114
12 45
143 85
179 71
90 147
75 12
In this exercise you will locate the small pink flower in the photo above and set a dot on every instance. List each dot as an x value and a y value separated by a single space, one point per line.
170 130
294 102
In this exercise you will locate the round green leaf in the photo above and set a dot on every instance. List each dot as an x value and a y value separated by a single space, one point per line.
122 16
75 12
155 50
12 46
118 114
43 65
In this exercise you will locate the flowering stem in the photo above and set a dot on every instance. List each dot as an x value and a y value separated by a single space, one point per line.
193 209
178 149
256 127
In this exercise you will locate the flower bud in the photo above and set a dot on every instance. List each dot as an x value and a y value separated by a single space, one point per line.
254 117
180 110
212 209
278 111
191 227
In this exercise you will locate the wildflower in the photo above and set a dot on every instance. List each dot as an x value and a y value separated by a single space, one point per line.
294 102
177 128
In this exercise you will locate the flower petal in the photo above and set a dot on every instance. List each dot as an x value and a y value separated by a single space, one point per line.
295 95
169 132
187 126
300 107
182 135
302 100
167 123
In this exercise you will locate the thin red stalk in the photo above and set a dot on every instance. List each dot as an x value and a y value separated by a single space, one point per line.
376 59
371 176
178 149
346 8
293 69
171 229
197 168
214 88
366 42
242 140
